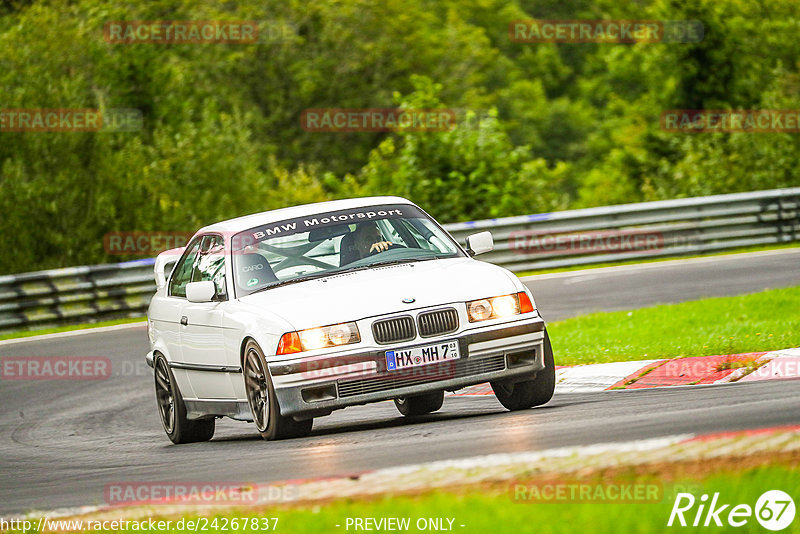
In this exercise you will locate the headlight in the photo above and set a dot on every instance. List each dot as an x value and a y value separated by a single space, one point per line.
479 310
498 307
319 338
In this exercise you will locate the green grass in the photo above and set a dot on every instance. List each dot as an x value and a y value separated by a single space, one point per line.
483 513
494 510
764 321
69 328
500 513
742 250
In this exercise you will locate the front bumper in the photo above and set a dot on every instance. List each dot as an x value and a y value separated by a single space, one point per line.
319 385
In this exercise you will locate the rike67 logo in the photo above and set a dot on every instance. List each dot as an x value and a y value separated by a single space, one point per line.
774 510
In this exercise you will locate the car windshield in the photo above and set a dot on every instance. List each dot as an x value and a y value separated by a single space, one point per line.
327 243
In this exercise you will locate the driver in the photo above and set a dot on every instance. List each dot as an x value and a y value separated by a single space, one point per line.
368 239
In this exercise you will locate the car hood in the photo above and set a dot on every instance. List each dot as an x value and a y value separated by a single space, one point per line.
381 290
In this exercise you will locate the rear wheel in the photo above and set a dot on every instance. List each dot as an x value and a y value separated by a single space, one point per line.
529 393
172 410
263 402
420 404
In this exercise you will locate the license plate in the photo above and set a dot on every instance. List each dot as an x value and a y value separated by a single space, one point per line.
423 355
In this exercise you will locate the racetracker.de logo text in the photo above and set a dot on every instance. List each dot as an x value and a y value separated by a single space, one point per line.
378 120
55 368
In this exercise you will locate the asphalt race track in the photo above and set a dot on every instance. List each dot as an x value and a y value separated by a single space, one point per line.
563 295
61 442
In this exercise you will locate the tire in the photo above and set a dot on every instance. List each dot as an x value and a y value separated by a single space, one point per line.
420 404
529 393
172 410
263 401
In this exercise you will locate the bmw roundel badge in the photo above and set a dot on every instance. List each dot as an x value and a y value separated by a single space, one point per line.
409 300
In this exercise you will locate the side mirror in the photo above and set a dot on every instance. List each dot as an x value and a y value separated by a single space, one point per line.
200 291
480 243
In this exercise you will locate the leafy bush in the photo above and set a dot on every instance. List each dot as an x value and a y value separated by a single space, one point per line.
544 126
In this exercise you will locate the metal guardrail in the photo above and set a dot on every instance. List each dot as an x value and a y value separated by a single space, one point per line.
529 242
669 228
76 294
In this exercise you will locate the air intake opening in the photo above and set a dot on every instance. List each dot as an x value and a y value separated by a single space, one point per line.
518 359
317 394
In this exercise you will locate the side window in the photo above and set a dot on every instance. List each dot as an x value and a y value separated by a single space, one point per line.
183 271
211 263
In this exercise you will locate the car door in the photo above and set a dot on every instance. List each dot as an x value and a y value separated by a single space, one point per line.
202 336
167 309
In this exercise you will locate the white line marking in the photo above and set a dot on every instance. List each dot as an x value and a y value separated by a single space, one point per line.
596 377
659 264
491 460
82 331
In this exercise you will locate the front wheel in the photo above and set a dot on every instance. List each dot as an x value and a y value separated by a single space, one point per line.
172 410
420 404
263 401
529 393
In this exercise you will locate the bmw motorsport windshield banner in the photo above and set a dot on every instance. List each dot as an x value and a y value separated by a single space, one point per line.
297 225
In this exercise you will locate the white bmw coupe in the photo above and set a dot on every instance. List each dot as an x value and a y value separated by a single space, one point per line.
284 316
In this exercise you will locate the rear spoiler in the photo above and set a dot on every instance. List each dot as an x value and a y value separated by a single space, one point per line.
166 260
